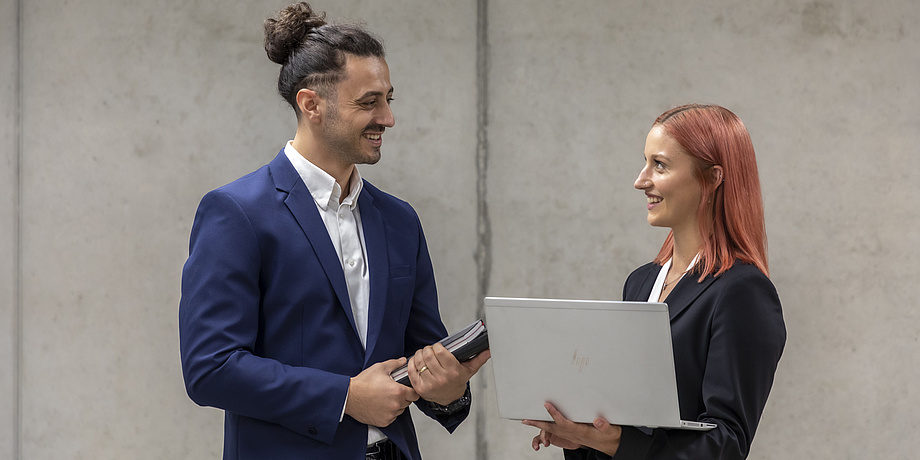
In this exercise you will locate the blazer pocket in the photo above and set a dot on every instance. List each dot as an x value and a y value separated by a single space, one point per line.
400 271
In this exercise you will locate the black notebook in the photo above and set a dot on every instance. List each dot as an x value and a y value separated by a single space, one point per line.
464 344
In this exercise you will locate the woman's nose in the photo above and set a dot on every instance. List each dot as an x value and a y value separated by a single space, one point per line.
642 181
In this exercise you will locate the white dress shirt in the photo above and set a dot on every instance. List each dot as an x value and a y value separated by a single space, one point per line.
343 223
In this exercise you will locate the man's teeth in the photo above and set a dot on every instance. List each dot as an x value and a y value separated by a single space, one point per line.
373 137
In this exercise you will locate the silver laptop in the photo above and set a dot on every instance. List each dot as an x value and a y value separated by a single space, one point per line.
588 358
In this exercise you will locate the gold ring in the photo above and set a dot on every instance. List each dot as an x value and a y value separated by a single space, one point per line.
423 369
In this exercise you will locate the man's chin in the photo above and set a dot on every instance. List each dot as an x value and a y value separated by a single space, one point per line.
372 158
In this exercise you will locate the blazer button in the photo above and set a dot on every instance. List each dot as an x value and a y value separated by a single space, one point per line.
312 431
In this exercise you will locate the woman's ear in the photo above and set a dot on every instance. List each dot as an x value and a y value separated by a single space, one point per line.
716 176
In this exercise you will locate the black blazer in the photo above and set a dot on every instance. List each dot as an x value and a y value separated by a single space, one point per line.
728 335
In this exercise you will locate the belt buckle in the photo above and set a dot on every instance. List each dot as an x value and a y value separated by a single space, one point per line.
376 450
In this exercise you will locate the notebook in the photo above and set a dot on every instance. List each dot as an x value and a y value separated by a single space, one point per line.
588 358
464 344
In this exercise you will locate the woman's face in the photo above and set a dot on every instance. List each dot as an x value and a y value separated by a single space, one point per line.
669 182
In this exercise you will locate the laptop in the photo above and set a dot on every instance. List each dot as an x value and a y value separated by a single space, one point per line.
588 358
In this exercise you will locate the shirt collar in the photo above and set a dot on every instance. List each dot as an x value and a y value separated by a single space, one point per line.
325 190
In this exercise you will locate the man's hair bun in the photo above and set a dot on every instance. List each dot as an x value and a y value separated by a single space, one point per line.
284 34
312 53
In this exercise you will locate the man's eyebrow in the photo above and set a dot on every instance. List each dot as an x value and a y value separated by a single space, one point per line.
375 93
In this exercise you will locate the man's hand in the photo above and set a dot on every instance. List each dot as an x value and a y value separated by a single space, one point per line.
437 376
374 398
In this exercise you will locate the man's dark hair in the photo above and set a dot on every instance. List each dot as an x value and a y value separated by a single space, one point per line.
311 52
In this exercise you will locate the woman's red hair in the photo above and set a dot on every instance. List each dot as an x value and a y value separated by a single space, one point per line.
731 213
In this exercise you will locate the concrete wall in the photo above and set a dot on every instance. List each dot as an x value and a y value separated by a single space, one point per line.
131 111
829 91
9 188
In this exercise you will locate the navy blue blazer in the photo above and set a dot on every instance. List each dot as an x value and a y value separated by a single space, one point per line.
728 335
266 329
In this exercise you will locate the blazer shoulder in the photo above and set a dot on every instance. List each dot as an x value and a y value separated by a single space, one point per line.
386 202
277 174
248 189
744 269
744 288
746 274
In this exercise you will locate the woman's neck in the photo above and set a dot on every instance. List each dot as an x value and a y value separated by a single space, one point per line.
686 246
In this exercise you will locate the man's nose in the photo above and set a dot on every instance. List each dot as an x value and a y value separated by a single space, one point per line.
386 118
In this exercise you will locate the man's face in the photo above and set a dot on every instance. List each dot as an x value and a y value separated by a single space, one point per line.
359 112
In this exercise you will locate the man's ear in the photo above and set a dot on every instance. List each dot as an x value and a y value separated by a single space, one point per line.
309 104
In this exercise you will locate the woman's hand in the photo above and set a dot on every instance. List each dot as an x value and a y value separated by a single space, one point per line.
564 433
547 439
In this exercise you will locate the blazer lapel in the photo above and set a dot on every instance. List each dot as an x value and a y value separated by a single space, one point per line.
378 266
641 289
686 291
303 208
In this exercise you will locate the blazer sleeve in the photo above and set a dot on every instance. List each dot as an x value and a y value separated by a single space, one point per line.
218 327
746 341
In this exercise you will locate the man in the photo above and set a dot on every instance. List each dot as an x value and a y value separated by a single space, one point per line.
306 286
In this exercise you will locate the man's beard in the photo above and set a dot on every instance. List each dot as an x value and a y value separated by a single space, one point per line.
346 146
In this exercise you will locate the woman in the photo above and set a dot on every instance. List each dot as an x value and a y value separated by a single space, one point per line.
700 180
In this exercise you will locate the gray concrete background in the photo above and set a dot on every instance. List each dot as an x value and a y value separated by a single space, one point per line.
9 254
118 117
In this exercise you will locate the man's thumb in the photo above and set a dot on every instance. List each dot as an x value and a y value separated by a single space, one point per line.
391 365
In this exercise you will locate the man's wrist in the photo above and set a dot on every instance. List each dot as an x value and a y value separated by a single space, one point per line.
456 406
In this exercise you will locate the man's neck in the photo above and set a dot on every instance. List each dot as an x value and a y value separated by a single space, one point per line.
342 173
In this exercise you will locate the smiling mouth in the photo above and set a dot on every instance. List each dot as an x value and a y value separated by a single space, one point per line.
653 199
373 137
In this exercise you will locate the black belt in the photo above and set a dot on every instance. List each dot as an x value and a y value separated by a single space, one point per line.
384 450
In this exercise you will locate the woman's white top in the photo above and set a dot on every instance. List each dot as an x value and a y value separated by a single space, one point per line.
663 275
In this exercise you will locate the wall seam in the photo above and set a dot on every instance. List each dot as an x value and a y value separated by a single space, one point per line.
483 224
17 242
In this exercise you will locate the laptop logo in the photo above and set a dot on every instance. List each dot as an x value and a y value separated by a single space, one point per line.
579 361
